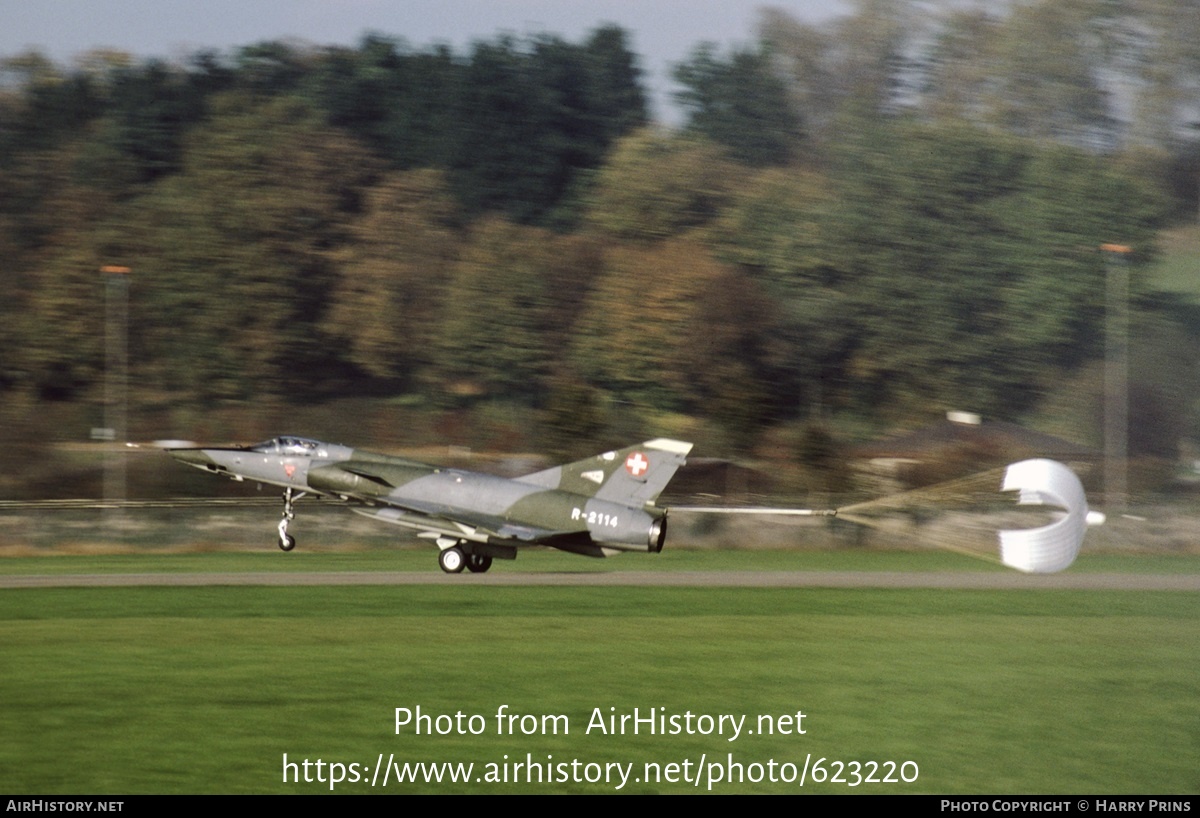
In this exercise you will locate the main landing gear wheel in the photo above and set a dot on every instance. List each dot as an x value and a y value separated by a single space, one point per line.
452 560
478 563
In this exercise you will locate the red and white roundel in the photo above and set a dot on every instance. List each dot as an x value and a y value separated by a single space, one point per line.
637 464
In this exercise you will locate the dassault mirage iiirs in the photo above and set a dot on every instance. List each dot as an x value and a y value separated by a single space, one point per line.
596 507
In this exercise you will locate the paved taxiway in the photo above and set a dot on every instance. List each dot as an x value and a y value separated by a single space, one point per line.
698 579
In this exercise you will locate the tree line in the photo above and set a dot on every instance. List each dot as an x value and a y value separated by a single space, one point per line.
507 225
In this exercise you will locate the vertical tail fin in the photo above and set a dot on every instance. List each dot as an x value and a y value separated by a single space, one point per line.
635 475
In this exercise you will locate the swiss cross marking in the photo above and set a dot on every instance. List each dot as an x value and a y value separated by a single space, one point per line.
636 464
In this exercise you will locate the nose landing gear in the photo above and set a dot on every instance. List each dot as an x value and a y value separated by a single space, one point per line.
286 541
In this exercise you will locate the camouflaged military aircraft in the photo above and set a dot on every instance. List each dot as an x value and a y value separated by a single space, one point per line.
595 507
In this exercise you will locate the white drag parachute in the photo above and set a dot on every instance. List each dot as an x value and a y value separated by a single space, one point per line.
1052 547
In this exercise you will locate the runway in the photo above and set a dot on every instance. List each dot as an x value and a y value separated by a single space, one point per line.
681 579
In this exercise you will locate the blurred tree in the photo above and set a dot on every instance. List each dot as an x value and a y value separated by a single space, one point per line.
616 100
209 73
404 104
1164 382
235 252
532 117
516 123
576 264
1069 204
741 104
501 164
772 225
804 55
48 265
959 61
728 357
41 104
872 53
572 416
493 333
387 303
657 185
919 260
272 67
1162 42
1095 75
63 293
1166 113
1043 77
667 327
849 70
971 264
148 111
774 230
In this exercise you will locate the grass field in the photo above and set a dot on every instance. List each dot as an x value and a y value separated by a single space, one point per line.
203 690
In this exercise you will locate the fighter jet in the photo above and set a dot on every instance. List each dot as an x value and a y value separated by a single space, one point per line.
595 507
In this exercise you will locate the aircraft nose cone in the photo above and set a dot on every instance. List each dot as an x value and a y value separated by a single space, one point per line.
193 457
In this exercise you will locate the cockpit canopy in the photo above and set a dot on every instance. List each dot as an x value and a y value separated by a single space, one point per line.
291 446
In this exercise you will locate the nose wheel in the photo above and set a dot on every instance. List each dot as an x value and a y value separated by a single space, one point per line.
286 541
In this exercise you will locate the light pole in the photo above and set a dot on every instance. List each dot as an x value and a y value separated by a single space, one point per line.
116 376
1116 376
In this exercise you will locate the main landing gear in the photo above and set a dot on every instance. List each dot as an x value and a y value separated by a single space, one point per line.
286 541
478 563
453 560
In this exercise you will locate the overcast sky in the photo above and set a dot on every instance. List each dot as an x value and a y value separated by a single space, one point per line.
663 31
